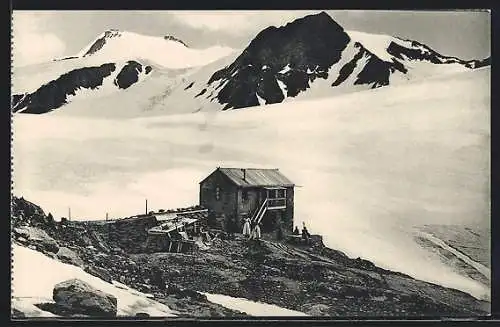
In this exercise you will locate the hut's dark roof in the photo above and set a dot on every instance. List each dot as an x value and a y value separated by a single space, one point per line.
256 177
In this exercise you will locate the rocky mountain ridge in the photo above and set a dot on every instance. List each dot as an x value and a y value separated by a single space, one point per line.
279 64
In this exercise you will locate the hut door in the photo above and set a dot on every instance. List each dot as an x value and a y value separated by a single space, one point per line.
262 196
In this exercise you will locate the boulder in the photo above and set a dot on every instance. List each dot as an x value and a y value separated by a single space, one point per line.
317 310
38 237
142 315
80 297
69 256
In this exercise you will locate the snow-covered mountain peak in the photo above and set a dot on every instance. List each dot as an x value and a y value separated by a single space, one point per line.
165 51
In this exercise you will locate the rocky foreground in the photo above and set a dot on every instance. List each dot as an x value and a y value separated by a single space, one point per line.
315 280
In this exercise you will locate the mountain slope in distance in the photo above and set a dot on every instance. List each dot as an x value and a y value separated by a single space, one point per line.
168 51
310 57
124 58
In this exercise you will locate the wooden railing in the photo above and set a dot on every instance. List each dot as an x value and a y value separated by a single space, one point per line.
260 212
268 204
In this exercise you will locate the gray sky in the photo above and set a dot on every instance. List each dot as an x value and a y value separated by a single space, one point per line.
43 35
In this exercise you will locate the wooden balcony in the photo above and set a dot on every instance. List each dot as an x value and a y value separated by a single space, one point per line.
276 203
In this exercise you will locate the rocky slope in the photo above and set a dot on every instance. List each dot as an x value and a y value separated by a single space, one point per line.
315 280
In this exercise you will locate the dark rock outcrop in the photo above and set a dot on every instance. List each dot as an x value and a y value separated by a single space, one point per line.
421 52
100 42
312 43
80 297
201 93
376 71
128 75
173 38
53 95
65 58
24 213
474 64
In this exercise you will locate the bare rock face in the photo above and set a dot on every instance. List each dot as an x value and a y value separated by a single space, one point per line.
79 297
25 212
308 47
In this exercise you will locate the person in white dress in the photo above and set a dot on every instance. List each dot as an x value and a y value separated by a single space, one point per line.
246 228
256 232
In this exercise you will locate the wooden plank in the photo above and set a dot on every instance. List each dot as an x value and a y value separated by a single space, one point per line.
276 208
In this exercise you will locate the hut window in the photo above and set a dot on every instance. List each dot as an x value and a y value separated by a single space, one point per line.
245 195
217 193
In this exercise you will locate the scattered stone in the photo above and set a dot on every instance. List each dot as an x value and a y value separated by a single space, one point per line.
22 240
272 270
186 293
16 314
21 232
379 298
80 297
317 309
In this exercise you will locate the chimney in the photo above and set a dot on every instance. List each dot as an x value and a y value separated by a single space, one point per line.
244 174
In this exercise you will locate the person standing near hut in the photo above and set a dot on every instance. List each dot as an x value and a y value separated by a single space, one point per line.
305 233
246 228
279 229
256 232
